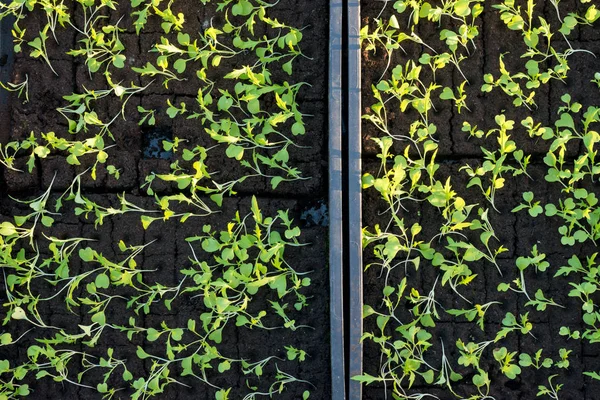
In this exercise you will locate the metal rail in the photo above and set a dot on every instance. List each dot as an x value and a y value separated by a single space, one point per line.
336 232
354 200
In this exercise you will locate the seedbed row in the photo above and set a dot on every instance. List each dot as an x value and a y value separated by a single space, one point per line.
479 203
163 201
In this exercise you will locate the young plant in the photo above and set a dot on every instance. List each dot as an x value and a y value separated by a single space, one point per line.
537 362
478 311
39 47
506 361
20 88
511 324
496 162
537 261
533 208
551 390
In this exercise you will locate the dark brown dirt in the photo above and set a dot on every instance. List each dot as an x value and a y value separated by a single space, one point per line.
170 253
516 231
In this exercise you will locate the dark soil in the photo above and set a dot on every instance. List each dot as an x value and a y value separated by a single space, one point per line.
137 153
516 231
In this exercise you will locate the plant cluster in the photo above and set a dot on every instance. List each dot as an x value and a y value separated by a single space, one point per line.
433 247
239 276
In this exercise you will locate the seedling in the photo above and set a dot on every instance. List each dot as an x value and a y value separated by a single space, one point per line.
551 390
39 47
478 311
537 260
447 375
282 379
459 98
534 208
511 324
495 163
147 116
506 361
470 353
100 46
40 214
20 88
596 79
537 362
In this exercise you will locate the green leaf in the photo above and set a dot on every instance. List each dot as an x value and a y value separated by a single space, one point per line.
565 121
102 281
503 287
86 254
146 221
275 181
365 378
224 366
292 233
287 67
47 221
141 354
461 8
41 151
210 245
118 60
152 334
224 103
99 318
593 375
592 14
183 39
7 229
533 68
280 284
177 334
222 394
243 8
447 94
536 210
298 128
127 376
5 338
180 65
254 106
551 210
234 151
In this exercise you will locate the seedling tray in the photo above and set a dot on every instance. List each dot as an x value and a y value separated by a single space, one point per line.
315 205
517 247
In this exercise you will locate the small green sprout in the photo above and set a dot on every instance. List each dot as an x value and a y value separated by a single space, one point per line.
551 390
20 88
511 324
148 116
459 98
478 311
505 359
537 362
534 209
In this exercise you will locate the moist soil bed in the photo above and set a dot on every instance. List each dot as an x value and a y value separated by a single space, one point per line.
137 153
518 232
